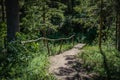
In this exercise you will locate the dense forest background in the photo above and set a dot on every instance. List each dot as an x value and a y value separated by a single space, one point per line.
93 22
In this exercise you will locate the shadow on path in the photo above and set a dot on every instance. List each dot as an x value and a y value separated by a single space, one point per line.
66 66
74 70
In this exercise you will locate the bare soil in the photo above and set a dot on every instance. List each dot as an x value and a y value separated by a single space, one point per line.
66 66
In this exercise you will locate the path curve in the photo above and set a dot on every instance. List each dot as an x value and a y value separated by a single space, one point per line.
62 65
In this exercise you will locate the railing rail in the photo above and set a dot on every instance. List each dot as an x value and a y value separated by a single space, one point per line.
48 39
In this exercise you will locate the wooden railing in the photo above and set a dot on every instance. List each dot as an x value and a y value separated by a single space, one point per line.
48 39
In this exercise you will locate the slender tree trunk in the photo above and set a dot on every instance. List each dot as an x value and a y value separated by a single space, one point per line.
69 7
100 27
117 6
12 13
44 30
44 21
3 17
53 3
106 68
3 10
118 31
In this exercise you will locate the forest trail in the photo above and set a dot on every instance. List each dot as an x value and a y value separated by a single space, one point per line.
65 66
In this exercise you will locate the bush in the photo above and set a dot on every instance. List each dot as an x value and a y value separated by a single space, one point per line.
25 62
92 57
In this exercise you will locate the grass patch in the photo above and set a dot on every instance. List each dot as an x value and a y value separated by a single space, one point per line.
37 69
92 57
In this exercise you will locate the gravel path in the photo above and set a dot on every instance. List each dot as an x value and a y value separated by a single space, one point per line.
62 65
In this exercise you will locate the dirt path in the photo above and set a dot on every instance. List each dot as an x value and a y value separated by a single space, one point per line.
65 66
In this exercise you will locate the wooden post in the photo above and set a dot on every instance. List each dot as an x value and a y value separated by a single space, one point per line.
54 43
44 34
60 46
47 45
73 40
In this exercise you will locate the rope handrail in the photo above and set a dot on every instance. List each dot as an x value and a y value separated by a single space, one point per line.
43 38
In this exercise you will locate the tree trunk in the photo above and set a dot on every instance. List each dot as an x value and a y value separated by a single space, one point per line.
101 25
106 68
12 13
69 7
44 21
117 6
116 45
3 10
118 31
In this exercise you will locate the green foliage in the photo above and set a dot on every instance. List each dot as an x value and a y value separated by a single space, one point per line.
29 61
23 62
57 18
39 16
92 57
2 34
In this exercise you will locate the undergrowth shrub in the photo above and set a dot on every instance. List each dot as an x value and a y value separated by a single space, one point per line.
25 62
92 57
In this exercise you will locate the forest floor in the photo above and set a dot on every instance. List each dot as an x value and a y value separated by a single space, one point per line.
66 65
